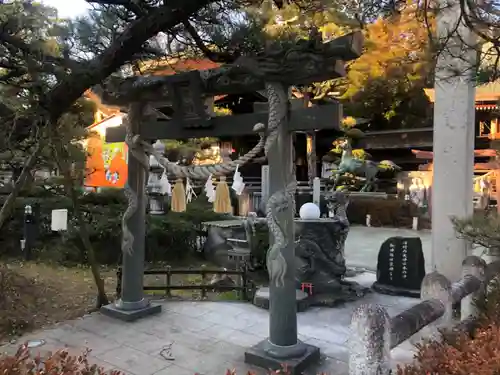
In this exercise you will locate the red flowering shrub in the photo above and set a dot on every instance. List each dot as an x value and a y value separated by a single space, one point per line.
477 353
465 355
60 362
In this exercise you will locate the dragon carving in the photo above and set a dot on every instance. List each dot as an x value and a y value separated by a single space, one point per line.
282 199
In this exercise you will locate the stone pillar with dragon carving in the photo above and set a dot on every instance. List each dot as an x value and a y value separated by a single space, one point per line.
283 345
132 305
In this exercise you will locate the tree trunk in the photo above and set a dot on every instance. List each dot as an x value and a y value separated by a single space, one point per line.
102 298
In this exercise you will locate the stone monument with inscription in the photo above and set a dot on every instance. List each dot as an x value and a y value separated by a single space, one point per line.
400 267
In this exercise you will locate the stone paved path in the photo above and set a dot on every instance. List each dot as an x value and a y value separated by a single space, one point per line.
209 337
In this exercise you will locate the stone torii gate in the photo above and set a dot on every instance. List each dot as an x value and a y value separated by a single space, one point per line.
275 70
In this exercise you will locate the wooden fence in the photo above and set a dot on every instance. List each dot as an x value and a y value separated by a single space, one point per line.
243 286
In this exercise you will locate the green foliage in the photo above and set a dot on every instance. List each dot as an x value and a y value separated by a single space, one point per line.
169 237
260 245
187 149
386 83
489 303
33 59
482 228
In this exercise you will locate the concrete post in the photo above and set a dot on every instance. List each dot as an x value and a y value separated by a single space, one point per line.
472 266
369 342
264 189
453 139
437 286
132 305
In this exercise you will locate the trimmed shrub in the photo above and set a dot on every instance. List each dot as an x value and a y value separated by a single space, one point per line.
171 236
384 213
12 232
482 228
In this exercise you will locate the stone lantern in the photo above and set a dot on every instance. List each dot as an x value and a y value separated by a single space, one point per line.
154 187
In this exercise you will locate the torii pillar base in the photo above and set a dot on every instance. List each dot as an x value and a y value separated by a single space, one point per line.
114 310
260 356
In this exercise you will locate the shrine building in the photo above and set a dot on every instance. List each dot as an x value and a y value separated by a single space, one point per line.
106 163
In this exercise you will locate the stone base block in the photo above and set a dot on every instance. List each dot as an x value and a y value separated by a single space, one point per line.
130 315
261 299
395 291
258 356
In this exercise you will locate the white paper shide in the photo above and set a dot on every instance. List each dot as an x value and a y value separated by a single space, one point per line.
238 185
210 189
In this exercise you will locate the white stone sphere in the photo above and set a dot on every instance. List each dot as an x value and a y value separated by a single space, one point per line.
309 211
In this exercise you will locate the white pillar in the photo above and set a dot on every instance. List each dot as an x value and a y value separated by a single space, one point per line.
454 115
264 187
316 191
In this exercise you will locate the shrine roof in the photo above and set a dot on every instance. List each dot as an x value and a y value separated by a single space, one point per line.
429 155
107 118
107 110
160 68
174 66
484 93
306 61
399 131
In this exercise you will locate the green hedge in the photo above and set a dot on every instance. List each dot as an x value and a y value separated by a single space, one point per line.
169 237
395 213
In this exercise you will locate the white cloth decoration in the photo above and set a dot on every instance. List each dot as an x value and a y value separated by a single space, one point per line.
190 194
417 192
165 186
238 185
210 189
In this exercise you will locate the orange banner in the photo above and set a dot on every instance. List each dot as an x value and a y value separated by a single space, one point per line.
106 164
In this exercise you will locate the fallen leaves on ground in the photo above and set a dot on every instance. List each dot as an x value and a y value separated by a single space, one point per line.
35 295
